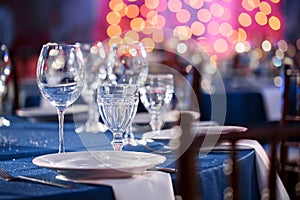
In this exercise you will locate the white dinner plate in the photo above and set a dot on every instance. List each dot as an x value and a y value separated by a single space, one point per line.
98 164
165 134
218 129
48 111
171 116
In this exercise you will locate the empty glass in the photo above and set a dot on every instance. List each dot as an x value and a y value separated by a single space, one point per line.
155 95
60 78
127 64
117 106
5 69
95 72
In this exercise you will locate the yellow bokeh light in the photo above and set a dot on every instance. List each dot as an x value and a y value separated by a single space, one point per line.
275 1
182 32
131 36
239 35
114 30
148 43
226 29
161 21
265 8
274 23
152 17
197 28
253 3
261 18
204 15
158 36
220 46
137 24
113 18
149 27
174 5
115 3
121 9
216 10
133 11
196 4
144 10
247 6
213 28
152 4
183 16
244 19
242 34
115 39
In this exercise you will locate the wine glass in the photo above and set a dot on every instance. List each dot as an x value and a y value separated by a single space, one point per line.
155 95
60 78
127 64
94 57
117 106
5 70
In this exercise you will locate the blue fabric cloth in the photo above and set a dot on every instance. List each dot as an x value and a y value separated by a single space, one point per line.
24 140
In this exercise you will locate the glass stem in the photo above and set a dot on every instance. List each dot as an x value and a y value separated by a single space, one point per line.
156 122
117 141
61 115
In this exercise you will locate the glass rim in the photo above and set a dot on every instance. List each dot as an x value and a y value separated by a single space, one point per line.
167 75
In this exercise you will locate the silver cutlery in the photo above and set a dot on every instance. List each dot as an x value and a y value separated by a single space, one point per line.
7 177
163 169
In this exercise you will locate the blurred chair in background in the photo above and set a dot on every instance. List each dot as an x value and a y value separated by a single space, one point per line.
270 184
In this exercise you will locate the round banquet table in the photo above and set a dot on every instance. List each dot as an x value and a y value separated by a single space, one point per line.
26 139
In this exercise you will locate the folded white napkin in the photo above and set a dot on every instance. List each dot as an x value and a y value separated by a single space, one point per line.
262 166
149 186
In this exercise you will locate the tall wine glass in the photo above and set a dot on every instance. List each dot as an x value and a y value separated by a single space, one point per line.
117 106
128 65
60 78
94 57
5 70
155 95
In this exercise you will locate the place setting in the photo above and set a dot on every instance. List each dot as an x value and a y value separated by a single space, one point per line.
117 105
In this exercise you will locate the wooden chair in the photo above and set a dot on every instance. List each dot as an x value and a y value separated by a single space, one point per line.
290 167
188 183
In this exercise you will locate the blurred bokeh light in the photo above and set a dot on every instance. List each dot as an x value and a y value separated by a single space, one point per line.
221 27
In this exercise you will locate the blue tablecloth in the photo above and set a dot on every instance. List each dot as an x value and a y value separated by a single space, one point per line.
24 140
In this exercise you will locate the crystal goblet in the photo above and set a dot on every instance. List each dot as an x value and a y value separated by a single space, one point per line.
117 106
155 95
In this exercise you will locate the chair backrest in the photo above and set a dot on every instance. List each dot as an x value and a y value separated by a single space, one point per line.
290 93
272 135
